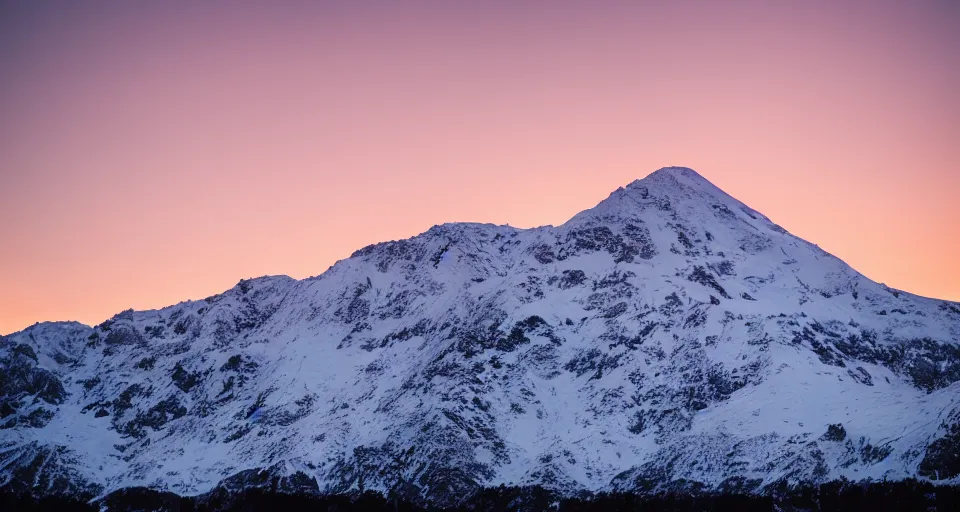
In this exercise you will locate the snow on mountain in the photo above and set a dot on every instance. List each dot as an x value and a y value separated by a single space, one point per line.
669 338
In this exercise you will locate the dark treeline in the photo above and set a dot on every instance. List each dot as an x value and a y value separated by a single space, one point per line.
837 496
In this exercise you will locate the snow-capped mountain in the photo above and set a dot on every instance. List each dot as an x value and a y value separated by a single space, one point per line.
669 338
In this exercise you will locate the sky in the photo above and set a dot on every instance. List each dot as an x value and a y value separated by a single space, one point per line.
153 152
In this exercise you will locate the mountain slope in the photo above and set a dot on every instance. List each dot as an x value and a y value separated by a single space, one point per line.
671 337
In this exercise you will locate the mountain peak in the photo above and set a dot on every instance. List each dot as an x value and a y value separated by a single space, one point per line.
675 172
674 178
662 188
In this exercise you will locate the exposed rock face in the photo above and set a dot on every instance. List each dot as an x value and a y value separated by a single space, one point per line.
669 338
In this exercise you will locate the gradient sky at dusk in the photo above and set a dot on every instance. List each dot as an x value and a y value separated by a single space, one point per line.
155 153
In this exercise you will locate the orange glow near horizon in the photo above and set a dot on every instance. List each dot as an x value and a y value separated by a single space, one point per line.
150 155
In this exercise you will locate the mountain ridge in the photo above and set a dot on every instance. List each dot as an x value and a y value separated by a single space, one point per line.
662 174
669 337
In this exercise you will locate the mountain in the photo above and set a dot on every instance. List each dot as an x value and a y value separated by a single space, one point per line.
671 338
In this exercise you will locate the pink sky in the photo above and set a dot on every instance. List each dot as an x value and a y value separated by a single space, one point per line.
150 155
